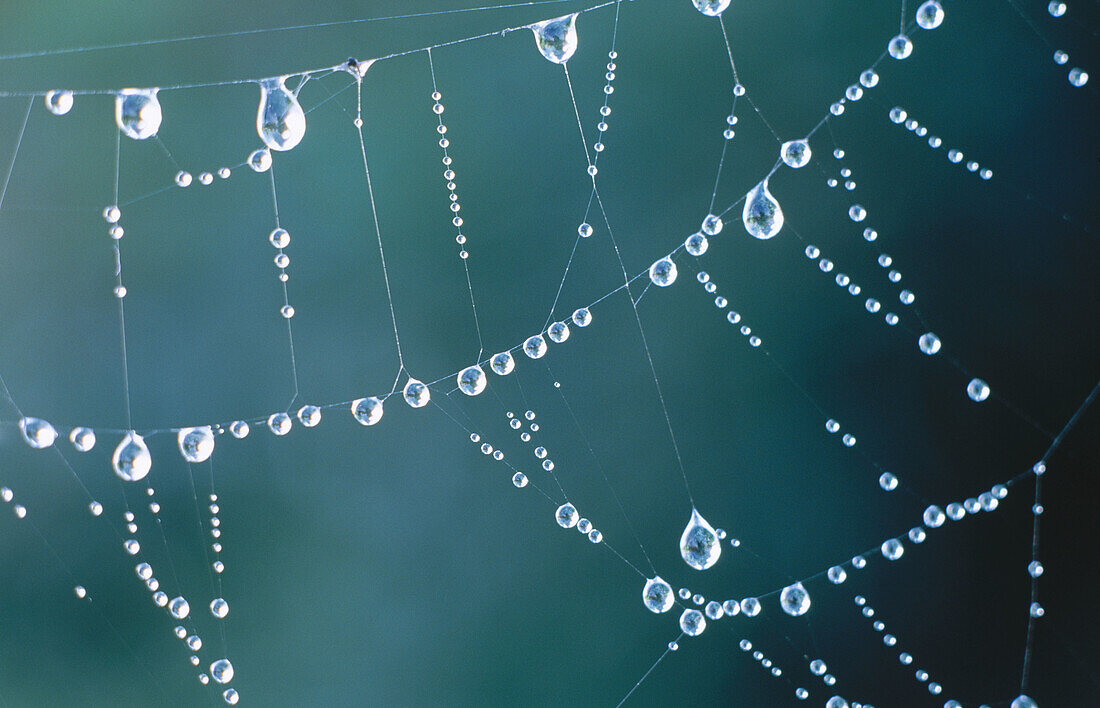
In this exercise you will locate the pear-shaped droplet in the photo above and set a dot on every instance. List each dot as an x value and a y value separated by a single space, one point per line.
132 460
221 671
137 113
196 444
796 153
762 216
663 272
280 120
795 600
582 317
367 411
557 38
930 15
900 47
416 393
699 544
36 432
472 380
535 347
502 364
692 623
657 595
711 8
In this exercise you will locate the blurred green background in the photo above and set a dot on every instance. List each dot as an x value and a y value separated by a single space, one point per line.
397 565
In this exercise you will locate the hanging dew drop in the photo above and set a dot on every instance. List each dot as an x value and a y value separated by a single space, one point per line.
472 380
279 423
502 364
179 608
582 317
699 544
750 607
83 439
557 39
711 8
221 671
558 332
309 416
37 433
416 393
929 343
900 47
219 608
977 390
260 160
930 15
837 575
567 516
696 244
280 120
712 225
239 429
657 595
59 102
535 347
196 444
796 153
131 460
794 600
367 411
663 272
762 216
137 113
692 623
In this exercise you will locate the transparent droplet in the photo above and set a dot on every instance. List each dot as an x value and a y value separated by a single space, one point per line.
692 622
260 160
83 439
1078 77
762 216
657 595
714 610
836 702
279 238
750 606
535 347
1036 610
179 607
131 546
519 479
696 244
239 429
711 8
663 272
582 317
856 212
1060 57
503 363
59 102
196 444
731 607
131 459
558 332
917 534
888 481
416 393
280 120
859 562
712 225
794 600
584 230
929 343
279 423
219 608
309 416
557 39
566 516
37 433
699 544
796 153
1035 569
837 575
1024 701
892 549
221 671
137 113
900 47
929 15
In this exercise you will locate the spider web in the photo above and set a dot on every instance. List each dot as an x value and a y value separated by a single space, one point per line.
397 563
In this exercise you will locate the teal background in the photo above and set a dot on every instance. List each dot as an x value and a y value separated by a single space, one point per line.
396 565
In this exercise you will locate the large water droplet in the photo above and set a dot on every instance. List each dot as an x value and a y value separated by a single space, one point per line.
37 433
663 272
59 102
557 38
699 544
471 380
795 600
221 671
567 516
132 459
657 595
837 575
711 8
83 439
930 15
762 216
929 343
280 120
179 607
796 153
502 364
367 411
416 393
692 623
900 47
978 390
219 608
137 113
196 444
1024 701
535 347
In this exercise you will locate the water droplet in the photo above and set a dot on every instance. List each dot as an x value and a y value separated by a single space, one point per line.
837 575
1035 569
657 595
137 113
762 216
83 439
930 15
663 272
221 671
731 607
900 47
519 479
794 600
582 317
869 78
279 423
692 623
309 416
888 481
59 102
502 364
196 444
712 225
37 433
699 544
714 610
1024 701
595 536
711 8
856 212
219 608
131 459
566 516
535 347
558 332
836 702
280 120
180 609
696 244
416 393
367 411
892 549
750 606
131 546
239 429
1056 9
1078 77
260 160
1036 610
796 153
231 696
929 343
557 39
584 230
